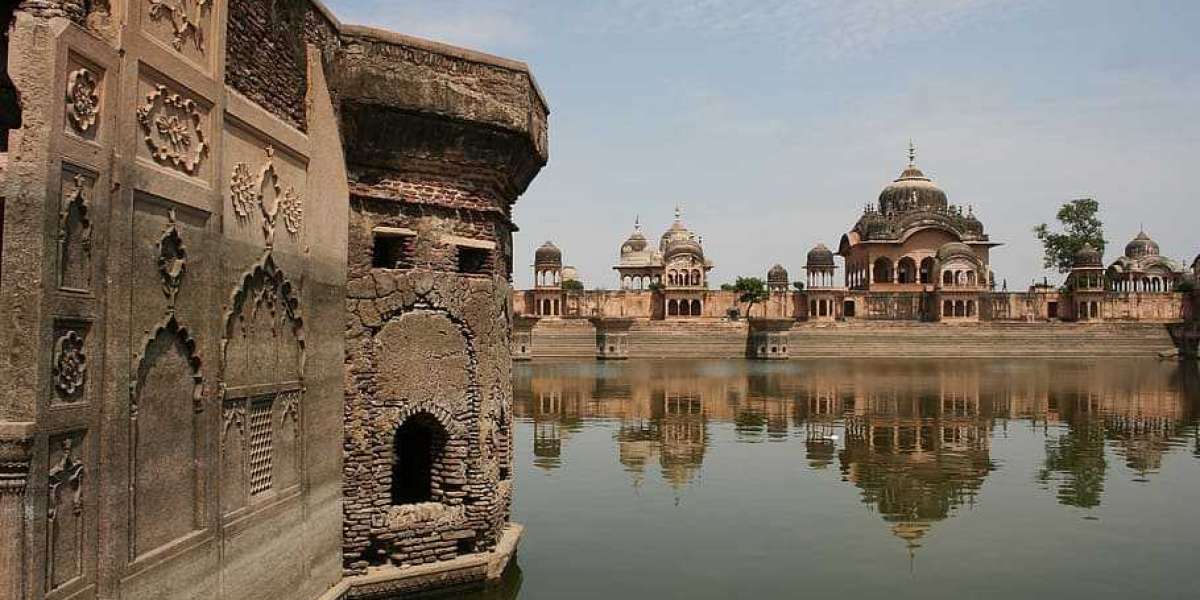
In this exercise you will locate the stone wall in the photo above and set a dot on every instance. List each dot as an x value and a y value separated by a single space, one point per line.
203 363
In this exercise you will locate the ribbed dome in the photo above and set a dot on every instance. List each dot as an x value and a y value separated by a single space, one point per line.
777 275
685 246
952 249
820 256
912 190
636 241
1088 257
1141 246
548 254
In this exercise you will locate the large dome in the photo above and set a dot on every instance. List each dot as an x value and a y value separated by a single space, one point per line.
912 190
1141 246
548 254
820 256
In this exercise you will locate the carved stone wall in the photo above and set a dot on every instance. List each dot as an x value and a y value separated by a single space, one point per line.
175 205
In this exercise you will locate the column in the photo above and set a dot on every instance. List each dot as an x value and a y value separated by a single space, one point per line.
16 445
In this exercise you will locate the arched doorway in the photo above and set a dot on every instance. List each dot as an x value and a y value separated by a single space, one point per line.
927 270
882 270
419 448
906 270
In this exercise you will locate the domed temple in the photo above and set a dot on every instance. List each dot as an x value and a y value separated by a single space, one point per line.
911 256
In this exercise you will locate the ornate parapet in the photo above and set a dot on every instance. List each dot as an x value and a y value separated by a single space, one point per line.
612 337
768 339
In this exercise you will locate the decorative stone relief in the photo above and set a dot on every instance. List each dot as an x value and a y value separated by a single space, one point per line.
64 511
70 365
83 99
184 16
267 194
75 236
172 127
264 330
172 260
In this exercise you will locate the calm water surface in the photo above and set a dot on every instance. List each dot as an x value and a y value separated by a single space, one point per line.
867 479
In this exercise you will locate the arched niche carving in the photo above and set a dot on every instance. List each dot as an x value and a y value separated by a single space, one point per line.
75 237
263 340
166 437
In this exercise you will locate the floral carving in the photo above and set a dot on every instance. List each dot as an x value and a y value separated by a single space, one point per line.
171 127
70 364
172 260
242 189
83 99
268 194
184 17
293 211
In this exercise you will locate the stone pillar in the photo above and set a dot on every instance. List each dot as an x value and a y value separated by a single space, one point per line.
16 445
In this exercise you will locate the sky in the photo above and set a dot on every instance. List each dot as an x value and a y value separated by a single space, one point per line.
771 123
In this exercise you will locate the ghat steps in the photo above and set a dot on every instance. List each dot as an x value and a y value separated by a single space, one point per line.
697 339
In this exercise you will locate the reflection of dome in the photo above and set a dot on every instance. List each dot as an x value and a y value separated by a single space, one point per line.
820 256
1088 256
955 249
548 254
1141 246
777 275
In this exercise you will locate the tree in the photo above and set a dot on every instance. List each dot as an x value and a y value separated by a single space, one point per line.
572 285
655 287
727 287
799 285
751 290
1081 226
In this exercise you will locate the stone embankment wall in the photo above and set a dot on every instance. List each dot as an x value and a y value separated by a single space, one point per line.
575 339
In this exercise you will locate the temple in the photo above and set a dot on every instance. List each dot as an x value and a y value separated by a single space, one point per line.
911 257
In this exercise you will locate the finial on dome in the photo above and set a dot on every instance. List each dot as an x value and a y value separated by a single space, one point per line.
678 214
637 222
912 153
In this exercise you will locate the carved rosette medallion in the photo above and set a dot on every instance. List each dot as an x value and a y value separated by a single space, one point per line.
172 260
172 128
83 99
184 16
293 211
70 364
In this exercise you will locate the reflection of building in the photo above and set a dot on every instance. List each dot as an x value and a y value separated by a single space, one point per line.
918 449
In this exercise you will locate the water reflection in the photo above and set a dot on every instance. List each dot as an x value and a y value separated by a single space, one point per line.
914 437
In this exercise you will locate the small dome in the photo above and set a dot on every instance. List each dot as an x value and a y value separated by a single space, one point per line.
685 246
1141 246
1088 257
636 241
548 254
777 275
569 273
955 249
820 256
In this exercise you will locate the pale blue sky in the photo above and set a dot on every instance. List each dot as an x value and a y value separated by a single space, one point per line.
773 122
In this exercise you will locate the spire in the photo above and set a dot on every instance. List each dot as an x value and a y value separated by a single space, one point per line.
912 153
637 222
678 214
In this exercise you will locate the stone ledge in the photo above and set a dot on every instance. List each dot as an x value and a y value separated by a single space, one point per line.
466 572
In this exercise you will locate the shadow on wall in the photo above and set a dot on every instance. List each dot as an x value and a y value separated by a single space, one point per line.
10 100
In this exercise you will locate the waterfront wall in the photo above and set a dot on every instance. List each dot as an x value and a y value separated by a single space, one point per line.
576 339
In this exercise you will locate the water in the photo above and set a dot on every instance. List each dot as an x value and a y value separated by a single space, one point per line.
867 479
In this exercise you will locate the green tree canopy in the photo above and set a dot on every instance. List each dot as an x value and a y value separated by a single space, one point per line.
750 290
572 285
1081 225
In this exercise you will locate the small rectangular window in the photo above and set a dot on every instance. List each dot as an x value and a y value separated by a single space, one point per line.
260 446
473 260
391 251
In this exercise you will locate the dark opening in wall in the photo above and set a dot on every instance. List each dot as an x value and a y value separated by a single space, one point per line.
391 251
10 100
473 261
466 545
419 447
